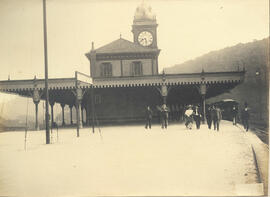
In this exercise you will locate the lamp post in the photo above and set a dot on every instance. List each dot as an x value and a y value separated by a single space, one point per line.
46 74
164 89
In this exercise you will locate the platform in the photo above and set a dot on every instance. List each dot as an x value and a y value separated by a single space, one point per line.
130 160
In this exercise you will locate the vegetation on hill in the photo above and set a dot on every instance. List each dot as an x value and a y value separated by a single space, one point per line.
252 56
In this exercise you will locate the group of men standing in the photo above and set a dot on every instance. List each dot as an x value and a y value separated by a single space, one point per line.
194 113
244 116
213 116
191 114
164 115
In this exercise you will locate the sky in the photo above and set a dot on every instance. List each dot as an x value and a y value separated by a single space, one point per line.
187 29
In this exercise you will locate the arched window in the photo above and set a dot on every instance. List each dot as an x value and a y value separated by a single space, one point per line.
136 68
106 69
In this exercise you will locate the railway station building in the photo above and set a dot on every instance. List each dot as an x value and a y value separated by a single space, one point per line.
124 79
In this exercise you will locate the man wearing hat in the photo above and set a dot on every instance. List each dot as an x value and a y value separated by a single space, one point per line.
148 115
245 117
217 117
197 116
164 116
188 115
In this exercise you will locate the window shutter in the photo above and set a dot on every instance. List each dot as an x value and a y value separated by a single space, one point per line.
141 69
132 69
110 68
106 69
102 69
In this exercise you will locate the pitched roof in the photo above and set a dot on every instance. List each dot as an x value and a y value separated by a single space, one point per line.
123 46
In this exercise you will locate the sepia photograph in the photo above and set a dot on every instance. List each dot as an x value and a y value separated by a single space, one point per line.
134 98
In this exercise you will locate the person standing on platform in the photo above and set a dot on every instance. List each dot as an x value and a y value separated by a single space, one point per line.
197 116
234 114
188 117
149 115
164 116
245 117
217 117
212 115
208 116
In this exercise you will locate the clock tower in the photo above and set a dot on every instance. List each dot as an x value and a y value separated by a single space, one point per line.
144 27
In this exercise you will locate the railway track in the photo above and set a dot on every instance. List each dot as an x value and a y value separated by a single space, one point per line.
262 134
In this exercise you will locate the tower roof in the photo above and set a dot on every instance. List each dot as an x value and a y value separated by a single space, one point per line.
123 46
144 12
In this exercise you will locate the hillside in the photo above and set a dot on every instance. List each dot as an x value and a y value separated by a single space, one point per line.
253 56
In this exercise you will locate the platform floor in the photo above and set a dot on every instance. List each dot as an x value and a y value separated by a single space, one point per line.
130 160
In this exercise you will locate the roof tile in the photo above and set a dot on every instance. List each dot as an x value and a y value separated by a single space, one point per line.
123 46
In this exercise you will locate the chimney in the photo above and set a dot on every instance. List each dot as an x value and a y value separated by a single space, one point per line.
93 48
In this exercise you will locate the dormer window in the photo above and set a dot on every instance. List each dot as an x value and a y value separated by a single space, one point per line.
136 68
106 69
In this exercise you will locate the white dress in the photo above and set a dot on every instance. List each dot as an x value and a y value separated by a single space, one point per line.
189 112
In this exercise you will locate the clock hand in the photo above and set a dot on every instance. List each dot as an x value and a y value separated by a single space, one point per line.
142 39
145 41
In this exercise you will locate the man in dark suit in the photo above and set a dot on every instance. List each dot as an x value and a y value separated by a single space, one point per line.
149 115
197 116
217 117
189 117
212 116
245 117
208 116
164 116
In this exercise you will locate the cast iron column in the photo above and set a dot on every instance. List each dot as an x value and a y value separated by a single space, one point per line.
82 114
79 112
36 125
79 96
87 113
52 118
71 121
63 114
203 93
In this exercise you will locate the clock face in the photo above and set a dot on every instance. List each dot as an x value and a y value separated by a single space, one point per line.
145 38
